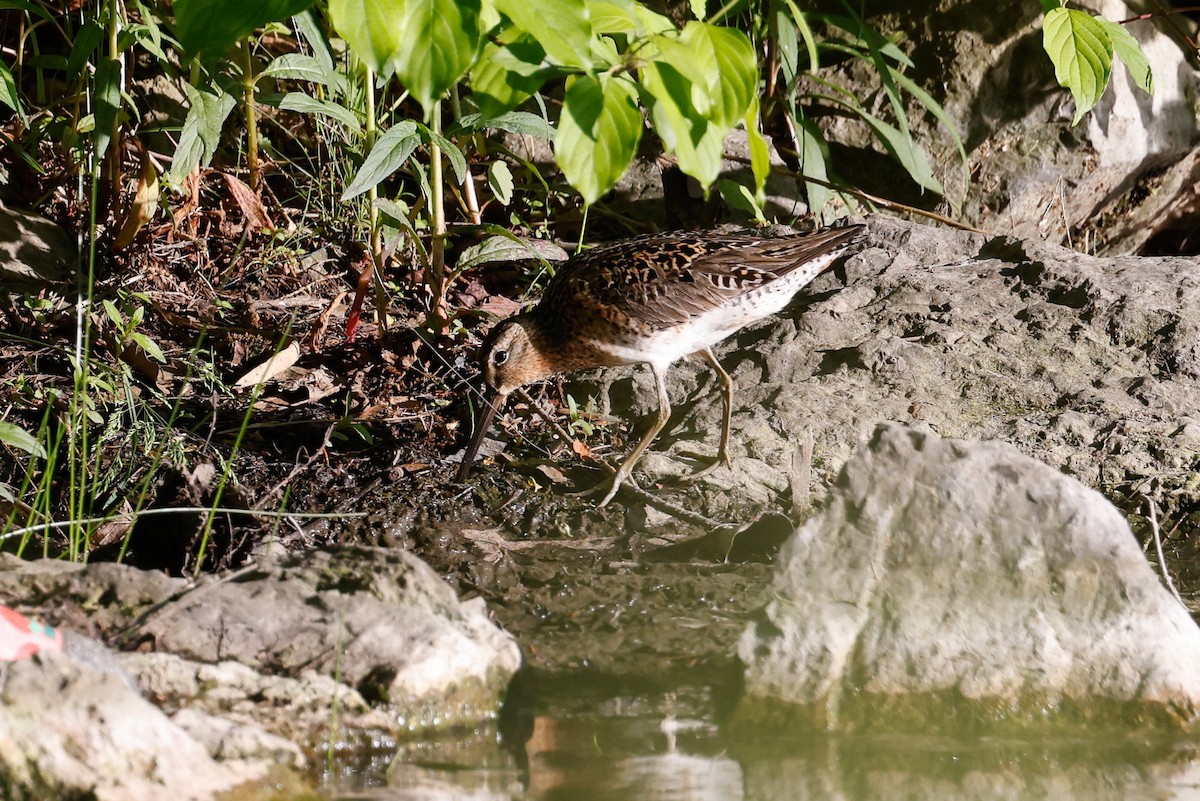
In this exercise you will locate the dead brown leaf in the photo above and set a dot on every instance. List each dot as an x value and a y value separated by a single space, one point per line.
252 208
145 202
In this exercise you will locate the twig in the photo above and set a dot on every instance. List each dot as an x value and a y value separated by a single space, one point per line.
858 193
1162 560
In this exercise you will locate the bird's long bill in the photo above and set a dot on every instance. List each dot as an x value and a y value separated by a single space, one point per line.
490 401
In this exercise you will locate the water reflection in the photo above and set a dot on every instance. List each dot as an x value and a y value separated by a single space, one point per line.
660 749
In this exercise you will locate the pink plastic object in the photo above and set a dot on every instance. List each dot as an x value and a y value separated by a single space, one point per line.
21 638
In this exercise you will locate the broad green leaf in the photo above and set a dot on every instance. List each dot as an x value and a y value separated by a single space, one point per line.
8 92
518 122
298 101
736 74
1050 5
496 87
561 27
113 313
301 67
201 130
25 5
1130 53
439 40
390 152
212 26
500 181
107 102
695 141
1082 53
598 133
910 155
506 246
19 438
609 16
699 9
369 27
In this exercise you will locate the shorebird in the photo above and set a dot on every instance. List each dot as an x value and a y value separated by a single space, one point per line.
653 299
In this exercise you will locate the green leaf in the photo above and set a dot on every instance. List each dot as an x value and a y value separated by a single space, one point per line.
149 346
910 155
500 181
814 163
612 16
107 102
1050 5
439 40
497 88
212 26
506 246
1130 53
298 101
25 5
8 92
113 313
390 152
19 438
1082 52
86 41
696 142
201 132
518 122
458 162
314 36
302 67
734 81
760 154
699 8
369 27
561 27
741 198
800 19
598 133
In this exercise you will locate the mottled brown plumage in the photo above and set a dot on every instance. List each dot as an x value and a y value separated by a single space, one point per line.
653 299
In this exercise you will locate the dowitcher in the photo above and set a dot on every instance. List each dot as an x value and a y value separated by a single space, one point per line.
653 299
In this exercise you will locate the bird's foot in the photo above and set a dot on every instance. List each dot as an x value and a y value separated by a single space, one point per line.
720 460
612 485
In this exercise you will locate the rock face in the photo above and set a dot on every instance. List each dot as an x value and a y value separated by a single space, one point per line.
952 581
240 663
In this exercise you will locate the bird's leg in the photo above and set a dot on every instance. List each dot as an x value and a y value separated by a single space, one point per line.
664 413
727 401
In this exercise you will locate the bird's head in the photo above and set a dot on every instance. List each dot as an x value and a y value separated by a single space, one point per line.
510 357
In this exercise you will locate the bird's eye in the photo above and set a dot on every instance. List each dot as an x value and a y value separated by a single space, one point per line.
499 357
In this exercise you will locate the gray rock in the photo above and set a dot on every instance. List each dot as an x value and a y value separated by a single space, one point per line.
252 667
949 583
34 252
67 731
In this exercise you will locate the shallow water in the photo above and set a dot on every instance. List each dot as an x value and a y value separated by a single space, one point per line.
578 739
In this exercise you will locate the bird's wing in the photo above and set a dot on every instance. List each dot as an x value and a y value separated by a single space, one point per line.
663 280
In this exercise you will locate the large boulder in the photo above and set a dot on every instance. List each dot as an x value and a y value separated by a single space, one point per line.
948 584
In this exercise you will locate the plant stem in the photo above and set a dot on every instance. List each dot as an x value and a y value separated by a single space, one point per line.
437 260
251 117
